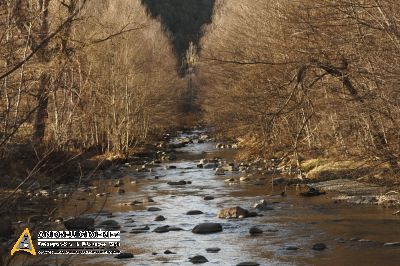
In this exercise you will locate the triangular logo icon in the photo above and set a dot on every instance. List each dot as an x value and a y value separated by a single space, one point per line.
24 243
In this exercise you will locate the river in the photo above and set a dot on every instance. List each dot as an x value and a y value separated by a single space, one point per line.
354 235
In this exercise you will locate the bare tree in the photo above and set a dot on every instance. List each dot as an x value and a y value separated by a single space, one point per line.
317 75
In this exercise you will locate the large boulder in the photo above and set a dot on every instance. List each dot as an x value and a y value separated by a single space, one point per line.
177 183
194 212
198 259
160 218
255 231
207 228
153 209
162 229
234 212
110 225
80 223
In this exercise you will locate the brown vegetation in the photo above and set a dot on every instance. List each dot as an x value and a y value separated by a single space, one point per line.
305 78
78 74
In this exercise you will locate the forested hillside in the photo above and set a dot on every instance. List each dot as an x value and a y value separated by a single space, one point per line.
302 79
183 19
305 78
84 73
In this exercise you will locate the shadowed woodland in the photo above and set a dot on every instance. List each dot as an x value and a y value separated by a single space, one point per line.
306 78
183 20
77 75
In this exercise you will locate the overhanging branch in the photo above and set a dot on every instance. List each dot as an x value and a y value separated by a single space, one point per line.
43 43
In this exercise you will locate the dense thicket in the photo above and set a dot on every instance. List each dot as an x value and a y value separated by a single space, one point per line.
305 77
183 19
83 73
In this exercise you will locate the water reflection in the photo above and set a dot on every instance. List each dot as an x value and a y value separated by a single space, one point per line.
294 222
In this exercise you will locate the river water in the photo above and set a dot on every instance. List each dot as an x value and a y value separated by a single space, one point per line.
354 235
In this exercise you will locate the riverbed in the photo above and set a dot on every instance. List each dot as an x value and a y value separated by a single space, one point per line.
353 235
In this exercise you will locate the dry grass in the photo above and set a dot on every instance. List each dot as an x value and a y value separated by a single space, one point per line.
390 199
328 169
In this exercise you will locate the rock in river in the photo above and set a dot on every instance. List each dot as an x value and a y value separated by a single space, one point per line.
234 212
140 230
80 223
147 200
208 198
194 212
252 214
198 259
124 255
210 165
177 183
160 218
213 250
153 209
219 171
248 263
110 225
319 246
135 202
312 192
175 228
255 231
244 179
392 244
162 229
207 228
168 252
166 228
262 206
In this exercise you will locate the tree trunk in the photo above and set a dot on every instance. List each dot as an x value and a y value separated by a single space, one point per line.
41 113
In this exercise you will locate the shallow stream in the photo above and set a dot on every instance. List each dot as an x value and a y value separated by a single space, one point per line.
354 235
